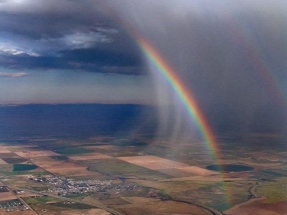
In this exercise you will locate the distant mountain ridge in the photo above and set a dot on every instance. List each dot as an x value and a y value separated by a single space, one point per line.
71 119
84 120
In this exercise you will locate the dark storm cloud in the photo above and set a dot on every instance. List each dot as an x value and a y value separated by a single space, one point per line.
94 60
230 54
64 35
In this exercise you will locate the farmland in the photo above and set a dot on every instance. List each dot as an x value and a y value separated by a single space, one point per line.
136 180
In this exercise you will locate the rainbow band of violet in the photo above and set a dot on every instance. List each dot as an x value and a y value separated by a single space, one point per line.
183 93
189 103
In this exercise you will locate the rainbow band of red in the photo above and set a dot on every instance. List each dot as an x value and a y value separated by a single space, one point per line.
189 103
183 93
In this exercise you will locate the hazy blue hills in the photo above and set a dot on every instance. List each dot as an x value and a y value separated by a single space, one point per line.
83 120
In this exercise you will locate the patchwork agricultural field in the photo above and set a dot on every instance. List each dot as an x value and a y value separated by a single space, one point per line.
70 177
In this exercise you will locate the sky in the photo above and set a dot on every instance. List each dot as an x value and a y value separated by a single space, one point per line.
67 52
231 55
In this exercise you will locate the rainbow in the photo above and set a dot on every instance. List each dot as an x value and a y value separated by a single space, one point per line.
272 85
189 103
179 88
185 96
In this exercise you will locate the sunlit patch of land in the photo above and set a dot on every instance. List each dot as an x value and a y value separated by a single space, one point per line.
166 166
89 156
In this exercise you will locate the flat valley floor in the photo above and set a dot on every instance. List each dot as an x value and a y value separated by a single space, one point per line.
107 175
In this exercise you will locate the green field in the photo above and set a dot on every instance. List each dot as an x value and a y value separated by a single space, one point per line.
60 158
23 167
275 190
40 200
72 206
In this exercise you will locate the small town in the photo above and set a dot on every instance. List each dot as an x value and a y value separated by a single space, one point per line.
65 186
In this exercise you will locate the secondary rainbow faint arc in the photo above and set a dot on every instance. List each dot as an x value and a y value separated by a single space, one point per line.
183 93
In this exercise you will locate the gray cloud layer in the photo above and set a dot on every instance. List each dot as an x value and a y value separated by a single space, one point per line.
66 35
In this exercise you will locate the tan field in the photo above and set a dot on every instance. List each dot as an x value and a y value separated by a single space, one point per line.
62 167
153 162
36 153
65 168
4 149
162 164
18 147
90 156
7 196
2 161
71 171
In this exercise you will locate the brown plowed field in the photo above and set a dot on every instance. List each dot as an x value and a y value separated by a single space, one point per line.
279 208
7 196
62 167
90 156
38 153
